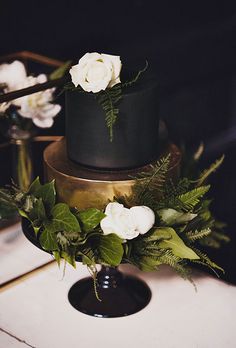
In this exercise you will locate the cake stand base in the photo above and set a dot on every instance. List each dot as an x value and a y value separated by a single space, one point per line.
120 295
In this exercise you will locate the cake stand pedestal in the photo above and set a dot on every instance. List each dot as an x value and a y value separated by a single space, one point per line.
120 295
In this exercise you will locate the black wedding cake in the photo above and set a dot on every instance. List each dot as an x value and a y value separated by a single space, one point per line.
135 141
88 166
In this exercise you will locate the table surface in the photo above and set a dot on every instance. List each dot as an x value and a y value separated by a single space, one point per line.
35 311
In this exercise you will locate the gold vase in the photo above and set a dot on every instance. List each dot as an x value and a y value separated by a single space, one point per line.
22 165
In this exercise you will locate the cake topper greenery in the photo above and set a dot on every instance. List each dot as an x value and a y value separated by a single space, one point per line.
161 222
100 74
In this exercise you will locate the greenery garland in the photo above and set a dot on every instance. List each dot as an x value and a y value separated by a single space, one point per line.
174 240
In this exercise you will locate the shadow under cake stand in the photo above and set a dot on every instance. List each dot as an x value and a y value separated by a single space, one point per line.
120 294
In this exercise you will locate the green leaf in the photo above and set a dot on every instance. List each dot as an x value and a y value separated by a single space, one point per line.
48 194
7 211
177 245
148 264
157 234
61 71
192 198
91 218
63 219
171 216
57 257
35 186
87 257
38 214
111 249
70 258
23 214
48 240
206 173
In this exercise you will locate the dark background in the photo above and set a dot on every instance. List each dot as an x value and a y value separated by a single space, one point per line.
191 48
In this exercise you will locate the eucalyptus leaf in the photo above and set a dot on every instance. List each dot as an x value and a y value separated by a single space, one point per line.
177 245
171 216
91 218
111 249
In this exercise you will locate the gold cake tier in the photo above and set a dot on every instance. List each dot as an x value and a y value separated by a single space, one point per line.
85 188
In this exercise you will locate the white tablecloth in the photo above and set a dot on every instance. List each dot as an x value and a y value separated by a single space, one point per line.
35 312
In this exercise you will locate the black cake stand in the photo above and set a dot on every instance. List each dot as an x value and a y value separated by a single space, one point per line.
120 295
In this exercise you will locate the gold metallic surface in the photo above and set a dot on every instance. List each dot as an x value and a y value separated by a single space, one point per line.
85 188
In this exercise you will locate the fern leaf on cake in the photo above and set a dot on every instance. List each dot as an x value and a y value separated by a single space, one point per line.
108 100
135 79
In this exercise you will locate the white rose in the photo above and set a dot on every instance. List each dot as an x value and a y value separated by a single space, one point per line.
37 106
96 72
127 223
12 74
4 107
144 218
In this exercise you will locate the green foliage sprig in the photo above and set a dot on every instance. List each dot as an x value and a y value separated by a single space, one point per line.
183 224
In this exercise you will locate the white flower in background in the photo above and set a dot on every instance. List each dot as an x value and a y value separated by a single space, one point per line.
96 72
127 223
37 106
12 74
4 107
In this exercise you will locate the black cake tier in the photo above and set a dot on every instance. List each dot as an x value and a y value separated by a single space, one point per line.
135 141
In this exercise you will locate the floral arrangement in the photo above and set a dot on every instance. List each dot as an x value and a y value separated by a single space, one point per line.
100 74
37 108
161 222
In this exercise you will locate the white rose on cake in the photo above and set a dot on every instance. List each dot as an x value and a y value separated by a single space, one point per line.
95 72
127 223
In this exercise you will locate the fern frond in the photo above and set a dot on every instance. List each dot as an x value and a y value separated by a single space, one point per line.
181 187
206 265
206 260
191 198
171 193
206 173
108 100
221 236
178 265
153 179
195 235
135 79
